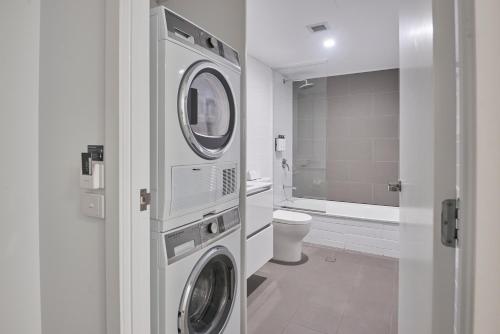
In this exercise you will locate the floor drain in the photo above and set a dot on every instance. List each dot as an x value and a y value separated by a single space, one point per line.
330 259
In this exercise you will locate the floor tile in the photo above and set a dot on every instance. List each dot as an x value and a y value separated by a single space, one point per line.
297 329
267 326
362 325
321 318
334 292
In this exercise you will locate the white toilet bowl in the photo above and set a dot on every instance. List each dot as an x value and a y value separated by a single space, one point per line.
290 228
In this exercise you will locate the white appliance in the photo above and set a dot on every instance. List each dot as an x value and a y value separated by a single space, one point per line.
195 128
194 276
259 227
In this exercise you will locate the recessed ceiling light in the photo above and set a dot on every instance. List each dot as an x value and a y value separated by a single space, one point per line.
329 43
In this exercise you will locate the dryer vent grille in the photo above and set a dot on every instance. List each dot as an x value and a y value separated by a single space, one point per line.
228 181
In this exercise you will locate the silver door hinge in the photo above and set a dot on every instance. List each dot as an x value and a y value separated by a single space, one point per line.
449 222
145 199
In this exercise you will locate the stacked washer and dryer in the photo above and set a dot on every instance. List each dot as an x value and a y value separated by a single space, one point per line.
195 154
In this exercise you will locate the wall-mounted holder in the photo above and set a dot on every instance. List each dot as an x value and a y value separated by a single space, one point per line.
92 181
280 143
95 180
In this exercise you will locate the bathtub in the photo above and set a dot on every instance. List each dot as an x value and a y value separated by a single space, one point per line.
372 229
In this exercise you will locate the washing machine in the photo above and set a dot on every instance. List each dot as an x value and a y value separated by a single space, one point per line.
195 277
195 122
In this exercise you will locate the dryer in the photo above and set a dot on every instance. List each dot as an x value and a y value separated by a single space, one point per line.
195 277
195 127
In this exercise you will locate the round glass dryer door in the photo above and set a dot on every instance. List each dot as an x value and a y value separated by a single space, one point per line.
209 294
207 110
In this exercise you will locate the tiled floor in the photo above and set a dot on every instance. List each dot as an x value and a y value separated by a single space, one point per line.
355 294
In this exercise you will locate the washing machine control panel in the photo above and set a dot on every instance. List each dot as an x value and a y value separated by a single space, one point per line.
184 241
219 224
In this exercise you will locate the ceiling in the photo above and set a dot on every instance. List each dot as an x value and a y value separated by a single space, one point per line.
365 34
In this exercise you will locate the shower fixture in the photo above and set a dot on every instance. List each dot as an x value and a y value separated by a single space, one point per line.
284 164
306 84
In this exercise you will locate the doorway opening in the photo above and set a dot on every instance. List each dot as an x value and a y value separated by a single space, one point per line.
351 89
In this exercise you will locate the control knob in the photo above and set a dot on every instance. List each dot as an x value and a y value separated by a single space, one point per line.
213 228
211 42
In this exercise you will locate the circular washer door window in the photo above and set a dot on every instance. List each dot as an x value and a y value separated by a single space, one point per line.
209 295
207 110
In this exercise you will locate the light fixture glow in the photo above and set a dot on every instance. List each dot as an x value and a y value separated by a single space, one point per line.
181 71
329 43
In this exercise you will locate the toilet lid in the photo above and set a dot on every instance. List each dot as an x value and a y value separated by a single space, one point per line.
291 217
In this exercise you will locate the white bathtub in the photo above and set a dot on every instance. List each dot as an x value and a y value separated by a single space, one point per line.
345 210
372 229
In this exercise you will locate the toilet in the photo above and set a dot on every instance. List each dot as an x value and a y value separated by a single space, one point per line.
290 228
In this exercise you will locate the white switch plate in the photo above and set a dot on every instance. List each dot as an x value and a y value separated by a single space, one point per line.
92 205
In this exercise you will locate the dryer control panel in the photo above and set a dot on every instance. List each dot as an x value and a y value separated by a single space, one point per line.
186 32
186 240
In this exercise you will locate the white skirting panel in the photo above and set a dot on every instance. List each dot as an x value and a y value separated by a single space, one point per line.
372 237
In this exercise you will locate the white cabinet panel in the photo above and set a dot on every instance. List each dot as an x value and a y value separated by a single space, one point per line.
259 211
259 249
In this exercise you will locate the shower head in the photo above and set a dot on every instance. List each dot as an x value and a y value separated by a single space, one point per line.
306 84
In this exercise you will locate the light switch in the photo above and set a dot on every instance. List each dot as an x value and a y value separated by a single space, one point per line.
92 205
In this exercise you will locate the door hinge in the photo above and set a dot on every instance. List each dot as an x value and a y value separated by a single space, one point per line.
145 199
449 222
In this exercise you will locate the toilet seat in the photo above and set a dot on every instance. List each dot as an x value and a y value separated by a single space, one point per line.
291 217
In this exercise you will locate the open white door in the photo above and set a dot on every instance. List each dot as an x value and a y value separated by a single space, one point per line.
427 165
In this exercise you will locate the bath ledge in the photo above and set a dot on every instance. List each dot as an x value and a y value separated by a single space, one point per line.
374 213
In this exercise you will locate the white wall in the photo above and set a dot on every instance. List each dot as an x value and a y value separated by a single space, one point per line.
72 252
260 144
487 261
282 125
19 248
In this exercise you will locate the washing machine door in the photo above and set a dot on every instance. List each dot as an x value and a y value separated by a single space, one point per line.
207 109
209 294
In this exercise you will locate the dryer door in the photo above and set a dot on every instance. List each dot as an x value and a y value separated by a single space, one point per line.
207 109
209 294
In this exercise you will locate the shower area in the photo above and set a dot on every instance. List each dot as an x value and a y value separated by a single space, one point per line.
345 145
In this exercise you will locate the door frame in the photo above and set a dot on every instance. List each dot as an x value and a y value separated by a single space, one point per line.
464 17
127 230
127 166
466 109
127 296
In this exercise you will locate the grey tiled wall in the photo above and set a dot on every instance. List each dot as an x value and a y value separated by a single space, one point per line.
362 136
